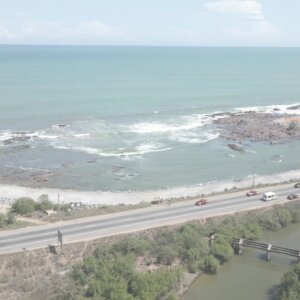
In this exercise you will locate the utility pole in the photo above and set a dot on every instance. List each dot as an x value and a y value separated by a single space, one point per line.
60 240
253 177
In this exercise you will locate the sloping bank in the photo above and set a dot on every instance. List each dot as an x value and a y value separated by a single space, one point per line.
153 264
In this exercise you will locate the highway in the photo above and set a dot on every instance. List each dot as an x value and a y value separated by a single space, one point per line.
135 220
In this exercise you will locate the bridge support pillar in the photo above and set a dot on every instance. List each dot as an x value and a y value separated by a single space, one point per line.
269 252
240 247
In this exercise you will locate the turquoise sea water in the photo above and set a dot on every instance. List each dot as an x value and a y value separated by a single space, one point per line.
137 118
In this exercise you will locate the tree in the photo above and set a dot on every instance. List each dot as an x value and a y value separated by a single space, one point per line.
24 206
222 250
45 203
211 265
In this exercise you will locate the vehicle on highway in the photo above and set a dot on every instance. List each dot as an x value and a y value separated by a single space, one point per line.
201 202
252 193
292 196
268 196
297 185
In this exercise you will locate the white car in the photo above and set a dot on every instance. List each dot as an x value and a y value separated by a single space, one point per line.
269 196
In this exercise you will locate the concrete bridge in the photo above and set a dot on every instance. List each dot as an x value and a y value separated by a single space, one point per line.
239 244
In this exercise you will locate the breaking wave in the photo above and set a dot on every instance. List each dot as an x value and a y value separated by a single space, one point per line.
137 151
183 123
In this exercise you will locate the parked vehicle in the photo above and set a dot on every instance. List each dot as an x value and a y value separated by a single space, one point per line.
201 202
269 196
292 196
252 193
297 185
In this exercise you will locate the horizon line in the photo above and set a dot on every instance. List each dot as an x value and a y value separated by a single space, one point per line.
137 45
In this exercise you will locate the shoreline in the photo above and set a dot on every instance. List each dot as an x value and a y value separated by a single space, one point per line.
11 192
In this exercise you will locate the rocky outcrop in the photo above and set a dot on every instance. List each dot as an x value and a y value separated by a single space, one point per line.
295 107
257 127
16 139
236 147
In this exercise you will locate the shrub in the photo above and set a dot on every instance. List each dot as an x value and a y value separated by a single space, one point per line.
2 220
24 206
284 216
289 287
94 289
166 255
211 265
132 245
222 250
62 207
11 218
46 204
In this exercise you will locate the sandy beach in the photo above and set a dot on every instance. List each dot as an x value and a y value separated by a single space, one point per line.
127 198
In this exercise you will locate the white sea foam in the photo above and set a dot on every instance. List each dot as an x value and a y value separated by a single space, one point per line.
5 135
183 123
137 151
81 135
194 137
190 129
48 137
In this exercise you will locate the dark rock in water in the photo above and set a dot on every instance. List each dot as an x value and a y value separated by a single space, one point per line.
62 125
276 109
236 147
295 107
92 161
14 148
275 142
16 139
22 132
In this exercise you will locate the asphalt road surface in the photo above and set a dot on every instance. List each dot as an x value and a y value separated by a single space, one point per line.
135 220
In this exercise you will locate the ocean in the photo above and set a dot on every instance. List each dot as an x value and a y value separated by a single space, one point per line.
138 118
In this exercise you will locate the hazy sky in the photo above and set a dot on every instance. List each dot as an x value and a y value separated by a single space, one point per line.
151 22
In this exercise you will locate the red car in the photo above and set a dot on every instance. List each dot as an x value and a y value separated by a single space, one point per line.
201 202
252 193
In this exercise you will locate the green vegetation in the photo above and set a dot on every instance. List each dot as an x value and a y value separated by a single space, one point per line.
27 206
45 203
114 272
110 274
24 206
9 221
289 287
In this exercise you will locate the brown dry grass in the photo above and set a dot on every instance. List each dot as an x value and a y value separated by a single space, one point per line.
40 274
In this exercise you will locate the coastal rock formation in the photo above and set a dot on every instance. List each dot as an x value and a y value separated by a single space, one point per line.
257 127
236 147
19 137
295 107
